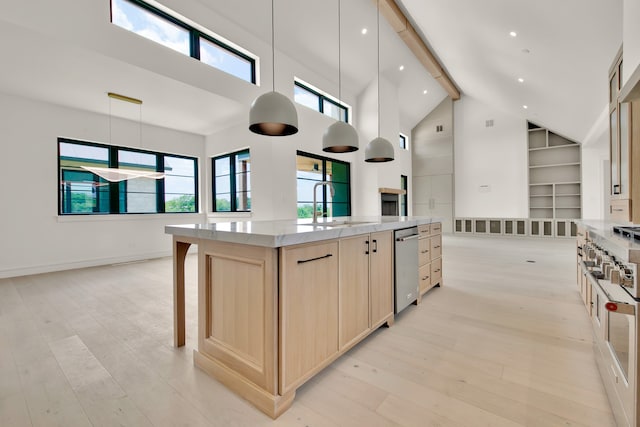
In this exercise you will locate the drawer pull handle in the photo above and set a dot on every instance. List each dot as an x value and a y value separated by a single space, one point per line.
425 277
302 261
424 252
437 271
617 210
436 247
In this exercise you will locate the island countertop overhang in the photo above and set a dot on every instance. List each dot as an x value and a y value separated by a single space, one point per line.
279 233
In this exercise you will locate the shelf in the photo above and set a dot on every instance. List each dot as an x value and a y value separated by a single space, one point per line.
551 183
554 147
554 165
562 195
541 195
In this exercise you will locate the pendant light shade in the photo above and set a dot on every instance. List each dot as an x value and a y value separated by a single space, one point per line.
340 137
378 150
272 113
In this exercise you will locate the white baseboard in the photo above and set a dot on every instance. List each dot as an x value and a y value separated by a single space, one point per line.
39 269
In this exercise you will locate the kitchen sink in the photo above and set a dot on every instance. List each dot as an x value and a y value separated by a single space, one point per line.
338 223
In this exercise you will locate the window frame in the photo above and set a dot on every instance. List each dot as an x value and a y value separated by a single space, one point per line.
323 97
404 198
233 191
403 141
194 37
114 192
324 161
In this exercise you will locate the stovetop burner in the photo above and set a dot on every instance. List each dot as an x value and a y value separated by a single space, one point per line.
630 232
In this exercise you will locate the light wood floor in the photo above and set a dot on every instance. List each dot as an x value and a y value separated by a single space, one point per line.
506 342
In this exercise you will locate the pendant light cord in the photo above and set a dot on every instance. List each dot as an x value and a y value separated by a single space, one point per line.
378 23
273 48
339 55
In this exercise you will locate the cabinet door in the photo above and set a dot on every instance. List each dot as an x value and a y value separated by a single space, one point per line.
425 278
308 311
435 246
381 276
424 251
353 298
436 271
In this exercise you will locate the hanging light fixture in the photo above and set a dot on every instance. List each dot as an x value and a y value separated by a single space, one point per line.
123 174
272 113
379 149
340 137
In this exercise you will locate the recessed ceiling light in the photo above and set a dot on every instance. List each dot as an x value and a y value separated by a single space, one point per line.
520 79
401 67
513 34
424 92
525 107
364 31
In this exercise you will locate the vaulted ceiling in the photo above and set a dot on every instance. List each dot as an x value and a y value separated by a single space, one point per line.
562 51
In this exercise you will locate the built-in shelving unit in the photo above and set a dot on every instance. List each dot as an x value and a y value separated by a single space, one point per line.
554 175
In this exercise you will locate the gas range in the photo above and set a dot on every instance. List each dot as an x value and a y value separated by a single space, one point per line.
631 232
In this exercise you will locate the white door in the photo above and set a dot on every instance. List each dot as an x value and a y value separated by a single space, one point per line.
433 196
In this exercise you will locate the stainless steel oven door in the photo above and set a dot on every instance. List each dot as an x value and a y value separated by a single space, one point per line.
620 336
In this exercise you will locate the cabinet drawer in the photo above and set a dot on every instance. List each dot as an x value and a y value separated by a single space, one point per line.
620 209
436 271
425 278
424 251
436 228
436 246
424 230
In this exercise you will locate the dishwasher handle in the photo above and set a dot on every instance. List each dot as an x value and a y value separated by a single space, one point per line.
404 239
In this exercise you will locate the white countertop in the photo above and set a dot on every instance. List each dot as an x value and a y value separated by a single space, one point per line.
280 233
601 232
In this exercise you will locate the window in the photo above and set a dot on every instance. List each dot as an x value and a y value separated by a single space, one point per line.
166 29
232 182
84 192
312 169
304 94
404 198
404 142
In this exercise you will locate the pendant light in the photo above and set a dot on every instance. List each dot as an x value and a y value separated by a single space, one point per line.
379 149
340 137
123 174
272 113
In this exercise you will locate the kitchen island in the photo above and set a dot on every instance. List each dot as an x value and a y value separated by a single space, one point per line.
278 301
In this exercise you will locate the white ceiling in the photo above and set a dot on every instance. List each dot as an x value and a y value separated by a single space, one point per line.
571 43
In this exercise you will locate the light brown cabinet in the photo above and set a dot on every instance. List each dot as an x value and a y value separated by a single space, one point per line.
381 278
308 311
429 256
624 150
366 285
270 318
354 289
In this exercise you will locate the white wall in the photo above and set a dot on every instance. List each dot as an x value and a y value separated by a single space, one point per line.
492 156
630 38
34 238
432 192
273 159
596 177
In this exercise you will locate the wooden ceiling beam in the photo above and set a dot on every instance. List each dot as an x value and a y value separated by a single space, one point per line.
401 25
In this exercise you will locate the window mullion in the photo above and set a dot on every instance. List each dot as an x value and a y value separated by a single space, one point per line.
114 187
195 43
160 196
232 182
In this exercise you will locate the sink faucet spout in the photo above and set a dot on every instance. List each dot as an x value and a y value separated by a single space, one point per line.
315 208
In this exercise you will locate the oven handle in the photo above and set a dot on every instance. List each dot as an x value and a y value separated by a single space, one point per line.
611 304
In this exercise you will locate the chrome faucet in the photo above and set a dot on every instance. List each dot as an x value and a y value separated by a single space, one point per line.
315 209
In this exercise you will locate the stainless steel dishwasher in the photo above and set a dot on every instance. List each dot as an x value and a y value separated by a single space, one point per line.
406 268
